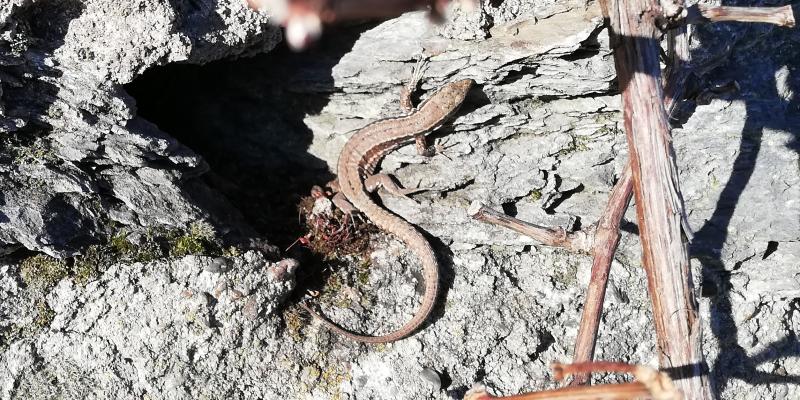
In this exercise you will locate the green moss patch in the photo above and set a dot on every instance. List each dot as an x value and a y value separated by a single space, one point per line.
42 272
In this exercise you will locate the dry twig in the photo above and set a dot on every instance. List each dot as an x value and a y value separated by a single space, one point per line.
659 204
603 249
781 16
556 237
650 384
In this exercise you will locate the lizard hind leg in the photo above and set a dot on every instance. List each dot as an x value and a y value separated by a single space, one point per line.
350 211
341 202
385 181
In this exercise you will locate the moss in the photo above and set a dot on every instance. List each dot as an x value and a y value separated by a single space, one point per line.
94 260
714 181
161 243
42 272
536 194
343 302
334 235
186 245
363 272
578 143
567 276
31 151
202 230
331 381
294 323
9 334
332 238
44 315
150 249
582 143
120 245
333 286
199 239
231 251
313 373
156 243
606 129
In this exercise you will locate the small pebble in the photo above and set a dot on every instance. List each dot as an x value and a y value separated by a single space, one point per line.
250 309
217 265
432 377
281 270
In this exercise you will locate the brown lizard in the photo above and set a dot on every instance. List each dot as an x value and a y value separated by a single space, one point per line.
357 163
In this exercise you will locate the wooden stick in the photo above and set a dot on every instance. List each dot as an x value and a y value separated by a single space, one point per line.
781 16
605 245
659 204
650 384
620 391
556 237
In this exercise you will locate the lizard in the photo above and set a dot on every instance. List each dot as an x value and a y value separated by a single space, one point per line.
356 179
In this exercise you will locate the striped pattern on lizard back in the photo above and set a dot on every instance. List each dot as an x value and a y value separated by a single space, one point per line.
359 159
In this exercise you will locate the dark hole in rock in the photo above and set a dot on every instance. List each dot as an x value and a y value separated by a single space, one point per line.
447 380
578 224
480 373
771 248
510 209
246 118
546 340
457 392
43 19
589 48
629 227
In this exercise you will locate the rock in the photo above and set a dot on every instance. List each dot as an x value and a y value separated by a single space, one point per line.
154 318
75 157
538 137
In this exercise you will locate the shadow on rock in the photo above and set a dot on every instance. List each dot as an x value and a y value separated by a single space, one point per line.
771 80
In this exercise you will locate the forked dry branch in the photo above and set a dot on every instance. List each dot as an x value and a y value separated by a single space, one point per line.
579 242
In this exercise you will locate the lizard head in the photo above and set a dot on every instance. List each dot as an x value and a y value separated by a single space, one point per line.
459 88
451 95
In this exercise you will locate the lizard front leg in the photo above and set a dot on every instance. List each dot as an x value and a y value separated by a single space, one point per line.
407 105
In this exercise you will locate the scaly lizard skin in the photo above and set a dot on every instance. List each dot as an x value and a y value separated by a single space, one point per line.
358 161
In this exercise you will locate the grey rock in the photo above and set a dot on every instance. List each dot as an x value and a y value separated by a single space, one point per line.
539 137
141 325
75 156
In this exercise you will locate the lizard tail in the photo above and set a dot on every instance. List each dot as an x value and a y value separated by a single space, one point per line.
391 223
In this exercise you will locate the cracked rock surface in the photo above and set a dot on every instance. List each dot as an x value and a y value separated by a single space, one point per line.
75 158
538 138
